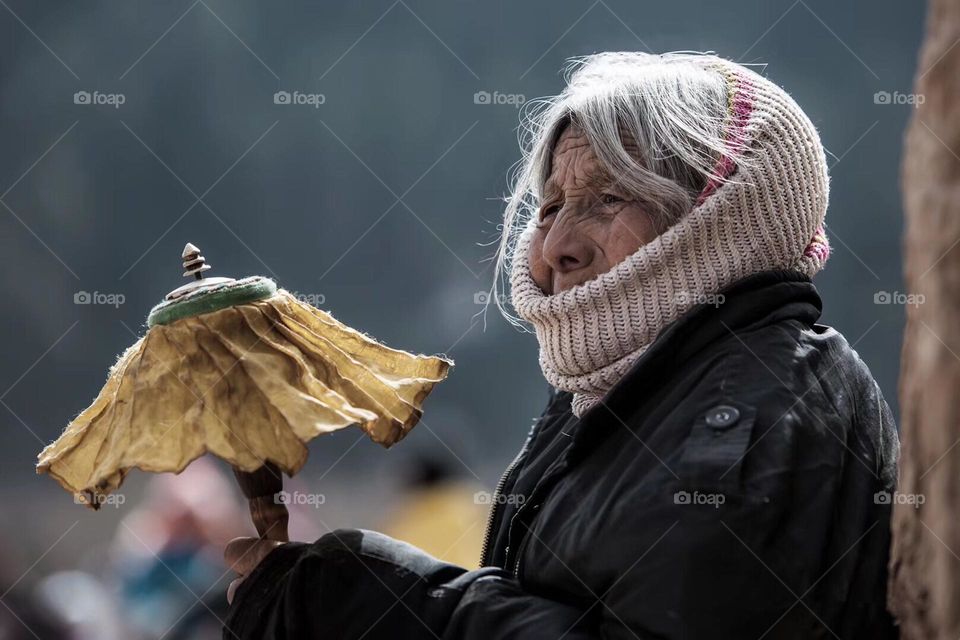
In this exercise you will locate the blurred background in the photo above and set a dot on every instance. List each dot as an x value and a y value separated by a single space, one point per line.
358 154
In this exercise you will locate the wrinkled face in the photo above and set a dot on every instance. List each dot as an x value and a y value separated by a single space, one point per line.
587 224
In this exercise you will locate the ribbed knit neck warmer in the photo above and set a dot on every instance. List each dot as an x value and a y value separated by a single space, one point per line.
769 216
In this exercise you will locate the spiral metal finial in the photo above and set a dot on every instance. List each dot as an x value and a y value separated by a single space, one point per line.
193 263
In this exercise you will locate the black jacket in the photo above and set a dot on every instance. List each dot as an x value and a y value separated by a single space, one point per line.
735 484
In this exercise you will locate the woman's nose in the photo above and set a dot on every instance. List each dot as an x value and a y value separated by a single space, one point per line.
565 248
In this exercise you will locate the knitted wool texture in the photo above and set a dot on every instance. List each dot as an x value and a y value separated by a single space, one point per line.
761 215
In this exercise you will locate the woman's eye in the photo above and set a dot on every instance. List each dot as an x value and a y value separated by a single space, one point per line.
609 198
549 211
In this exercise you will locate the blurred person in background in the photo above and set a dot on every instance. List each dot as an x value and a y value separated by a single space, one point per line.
85 606
712 462
165 556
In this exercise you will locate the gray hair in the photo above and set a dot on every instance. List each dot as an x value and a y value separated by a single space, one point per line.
672 105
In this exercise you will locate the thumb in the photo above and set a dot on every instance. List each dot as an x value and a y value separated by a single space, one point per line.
232 589
244 554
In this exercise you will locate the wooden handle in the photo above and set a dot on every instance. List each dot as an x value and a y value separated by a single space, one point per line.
269 513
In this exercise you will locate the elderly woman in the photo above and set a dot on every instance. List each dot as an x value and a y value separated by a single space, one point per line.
712 462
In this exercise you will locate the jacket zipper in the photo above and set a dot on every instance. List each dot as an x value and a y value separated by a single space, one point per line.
555 469
520 547
487 537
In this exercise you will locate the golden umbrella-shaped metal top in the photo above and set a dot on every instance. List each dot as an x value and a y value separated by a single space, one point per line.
245 371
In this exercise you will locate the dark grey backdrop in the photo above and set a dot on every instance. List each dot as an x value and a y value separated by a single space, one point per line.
379 200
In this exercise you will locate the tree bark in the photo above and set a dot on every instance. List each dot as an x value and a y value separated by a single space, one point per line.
924 589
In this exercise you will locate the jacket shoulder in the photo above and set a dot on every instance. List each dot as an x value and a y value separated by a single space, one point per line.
808 383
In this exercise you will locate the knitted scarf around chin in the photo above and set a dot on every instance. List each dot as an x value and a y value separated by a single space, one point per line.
769 216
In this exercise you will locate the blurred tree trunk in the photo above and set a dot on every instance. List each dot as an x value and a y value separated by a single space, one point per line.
925 567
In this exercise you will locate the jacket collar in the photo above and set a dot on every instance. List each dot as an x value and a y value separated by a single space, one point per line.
761 299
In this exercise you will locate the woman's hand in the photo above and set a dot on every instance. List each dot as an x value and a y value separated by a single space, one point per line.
243 555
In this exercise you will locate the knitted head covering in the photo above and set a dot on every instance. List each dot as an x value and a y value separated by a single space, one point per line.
765 213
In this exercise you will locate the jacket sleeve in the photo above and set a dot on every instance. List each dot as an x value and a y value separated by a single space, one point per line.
354 583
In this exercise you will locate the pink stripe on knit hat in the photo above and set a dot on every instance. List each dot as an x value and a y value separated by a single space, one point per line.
740 107
819 247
